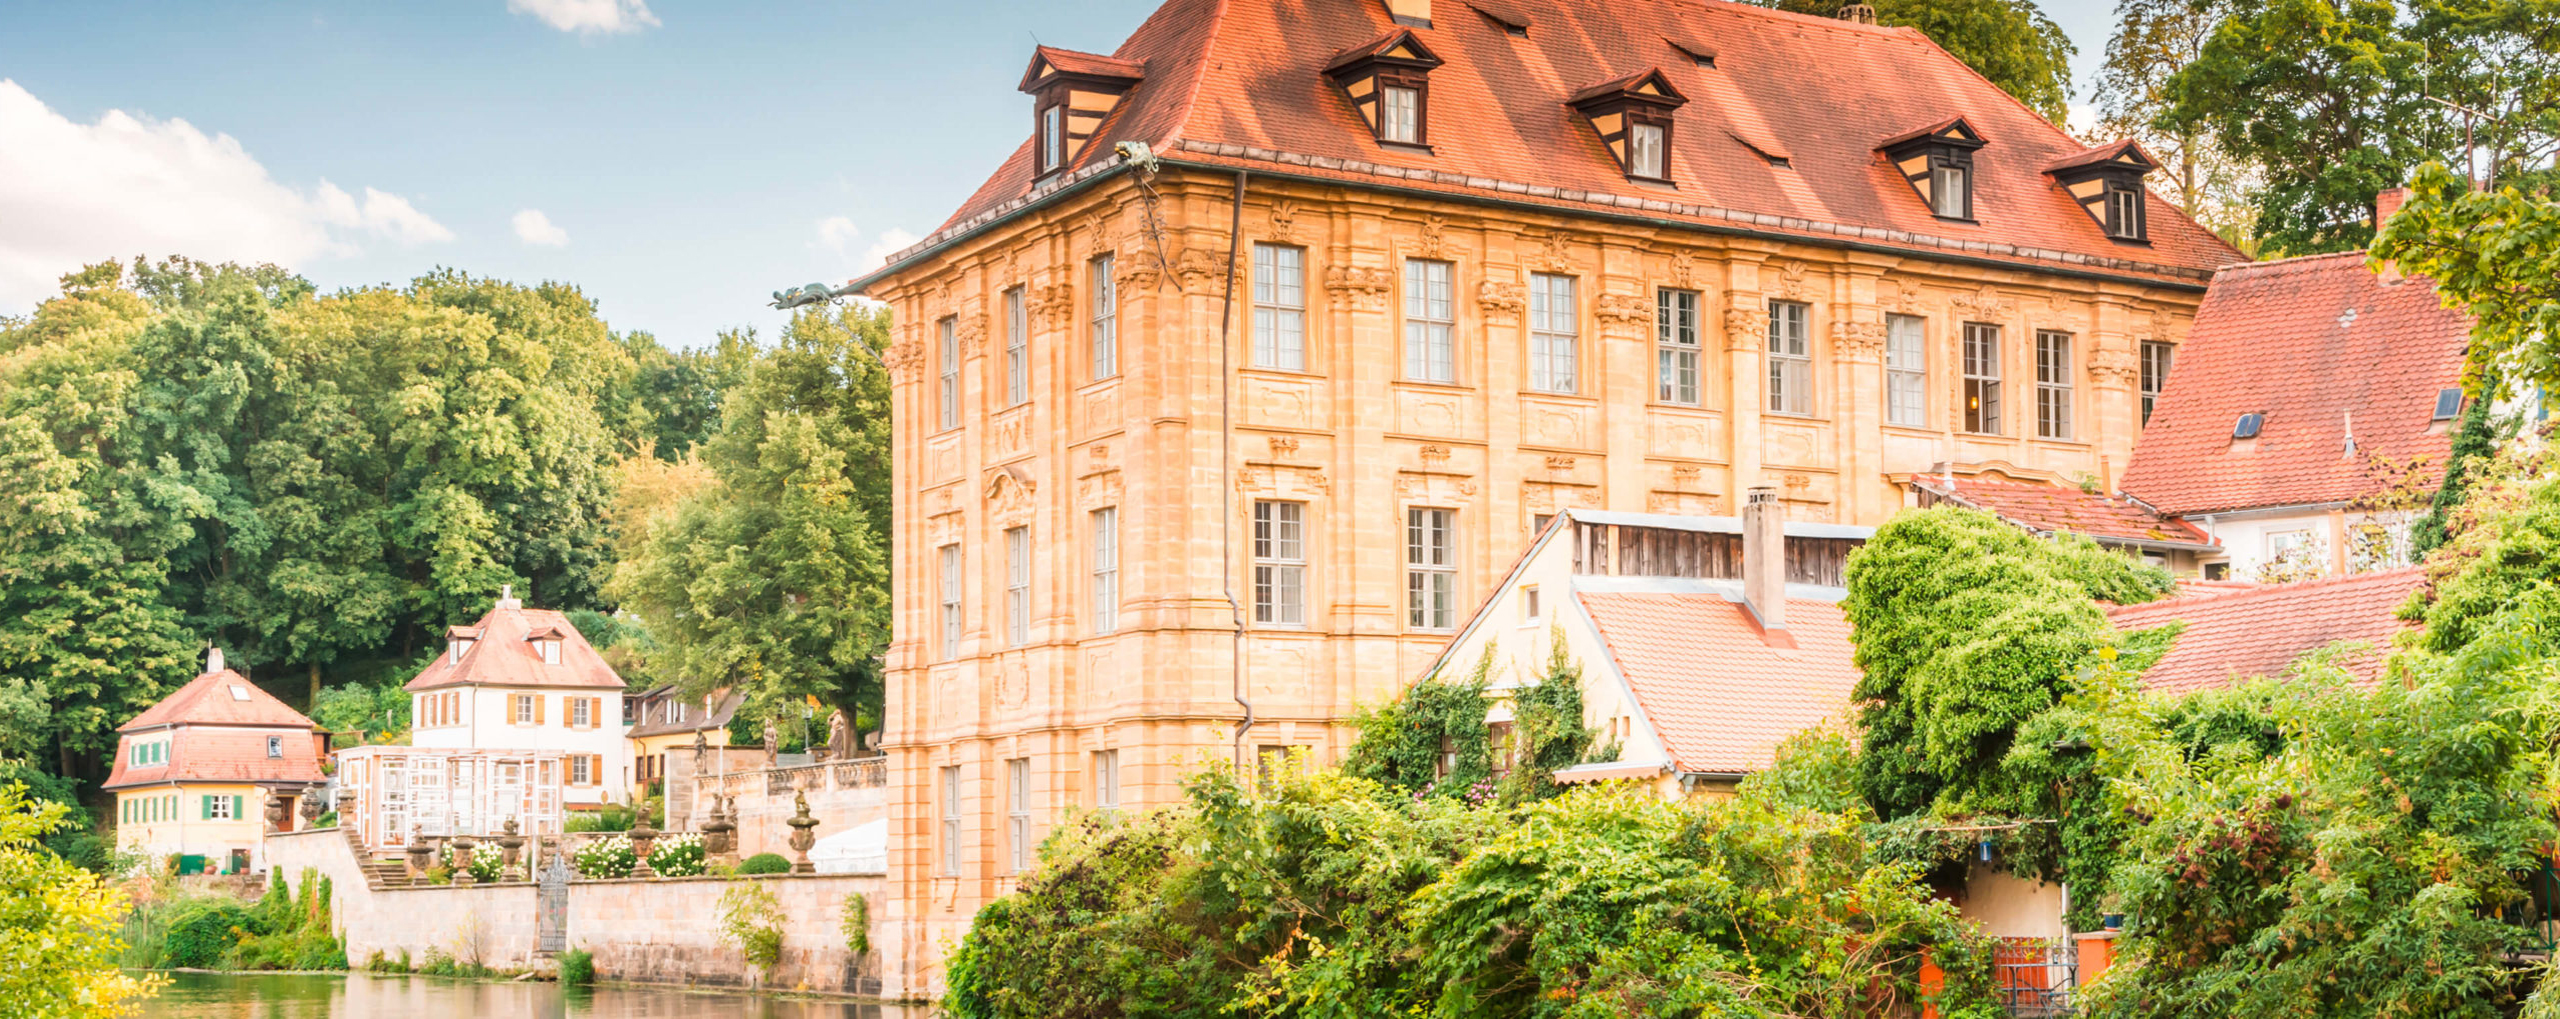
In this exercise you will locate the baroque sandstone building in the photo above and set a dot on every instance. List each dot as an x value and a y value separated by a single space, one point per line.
1490 260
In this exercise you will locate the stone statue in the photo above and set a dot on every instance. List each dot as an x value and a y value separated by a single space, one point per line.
839 737
311 799
701 754
716 831
421 854
803 835
462 846
278 811
643 836
772 743
510 845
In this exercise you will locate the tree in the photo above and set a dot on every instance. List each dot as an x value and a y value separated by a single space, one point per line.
58 947
2496 254
774 579
2010 42
2153 40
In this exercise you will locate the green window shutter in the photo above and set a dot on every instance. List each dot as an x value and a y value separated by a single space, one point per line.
235 807
204 808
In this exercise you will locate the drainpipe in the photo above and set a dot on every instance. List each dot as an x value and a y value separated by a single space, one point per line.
1226 468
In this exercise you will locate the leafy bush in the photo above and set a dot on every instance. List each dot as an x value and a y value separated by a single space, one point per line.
577 967
751 918
677 855
328 820
856 923
764 863
611 817
203 931
291 931
607 857
485 860
57 923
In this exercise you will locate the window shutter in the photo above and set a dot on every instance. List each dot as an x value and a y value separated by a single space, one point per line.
235 807
538 702
204 808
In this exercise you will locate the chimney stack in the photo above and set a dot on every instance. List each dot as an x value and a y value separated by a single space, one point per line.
2386 203
1410 13
1862 14
212 660
1764 556
507 597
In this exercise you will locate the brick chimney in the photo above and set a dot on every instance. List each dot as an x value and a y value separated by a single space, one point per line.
1415 13
2386 203
1764 556
212 660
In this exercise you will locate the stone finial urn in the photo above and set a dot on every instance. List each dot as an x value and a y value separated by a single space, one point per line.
510 846
643 836
310 802
421 855
717 831
462 846
804 834
279 813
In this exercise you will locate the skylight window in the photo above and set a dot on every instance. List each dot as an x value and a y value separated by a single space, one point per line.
239 693
2448 404
2247 427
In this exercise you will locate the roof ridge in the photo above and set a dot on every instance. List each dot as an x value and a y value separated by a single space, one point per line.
1818 20
2290 260
1181 120
2369 576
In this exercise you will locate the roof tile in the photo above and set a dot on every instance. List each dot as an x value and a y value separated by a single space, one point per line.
1722 697
505 655
2233 635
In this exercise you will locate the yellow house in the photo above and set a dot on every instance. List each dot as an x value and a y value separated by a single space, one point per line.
193 773
663 721
1221 402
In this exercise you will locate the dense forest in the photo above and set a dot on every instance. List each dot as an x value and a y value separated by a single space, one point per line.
196 454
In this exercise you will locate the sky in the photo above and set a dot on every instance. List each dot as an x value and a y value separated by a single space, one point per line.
677 161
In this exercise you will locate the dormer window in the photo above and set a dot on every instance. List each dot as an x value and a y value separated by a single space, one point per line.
1632 116
2107 182
1072 94
458 642
461 647
1388 81
1938 162
550 651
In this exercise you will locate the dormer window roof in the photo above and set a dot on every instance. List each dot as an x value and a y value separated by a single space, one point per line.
2107 182
1388 80
1938 162
1633 118
1071 95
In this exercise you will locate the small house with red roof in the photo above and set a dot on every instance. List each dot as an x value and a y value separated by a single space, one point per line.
523 679
2226 636
2044 509
193 773
1704 642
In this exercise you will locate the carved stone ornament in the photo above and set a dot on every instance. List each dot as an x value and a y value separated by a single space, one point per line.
1500 300
278 811
1985 303
510 853
1560 463
1857 341
973 334
1898 295
1684 475
2115 367
1051 306
1435 240
1684 270
1624 313
1434 454
1139 274
804 834
311 805
1200 268
1284 221
1009 496
1746 326
1102 222
1283 447
1360 287
1791 280
905 360
462 846
1551 252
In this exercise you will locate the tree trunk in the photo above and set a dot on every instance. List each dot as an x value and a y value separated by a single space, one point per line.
315 688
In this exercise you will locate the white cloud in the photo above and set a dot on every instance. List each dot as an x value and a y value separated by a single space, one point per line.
2081 119
890 243
532 227
72 194
589 16
836 233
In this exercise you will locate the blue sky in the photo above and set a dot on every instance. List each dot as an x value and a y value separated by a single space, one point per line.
677 161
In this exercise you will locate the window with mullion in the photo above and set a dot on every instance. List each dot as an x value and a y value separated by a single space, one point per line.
1430 321
1280 307
1553 333
1431 569
1018 814
1106 569
1400 110
1017 350
950 394
951 821
951 601
1104 337
1017 586
2155 373
1790 357
2053 384
1906 370
1951 188
1981 365
1675 337
1279 563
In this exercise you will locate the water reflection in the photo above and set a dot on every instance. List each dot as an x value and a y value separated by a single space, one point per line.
277 996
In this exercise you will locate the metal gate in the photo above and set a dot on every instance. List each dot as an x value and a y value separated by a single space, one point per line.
2035 976
551 909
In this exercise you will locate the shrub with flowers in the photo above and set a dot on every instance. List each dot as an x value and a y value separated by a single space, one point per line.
677 855
484 861
610 856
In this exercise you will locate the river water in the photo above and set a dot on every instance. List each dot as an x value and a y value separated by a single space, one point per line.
363 995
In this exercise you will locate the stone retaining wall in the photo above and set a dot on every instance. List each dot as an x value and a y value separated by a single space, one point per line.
658 930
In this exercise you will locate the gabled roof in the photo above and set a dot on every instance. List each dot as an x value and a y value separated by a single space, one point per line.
1664 92
722 708
1953 128
506 656
2111 152
1720 696
2048 509
217 698
1075 64
1241 85
2315 344
1399 44
2256 632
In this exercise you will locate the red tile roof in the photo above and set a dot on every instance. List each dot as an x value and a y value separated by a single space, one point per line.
505 655
2311 343
217 698
1720 696
1075 63
2258 632
219 724
1241 83
2051 508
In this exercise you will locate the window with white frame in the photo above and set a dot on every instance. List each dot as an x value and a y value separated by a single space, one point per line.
951 821
1430 323
217 808
1017 815
275 747
1279 307
1106 780
1644 152
1951 189
1553 334
550 651
582 769
1104 339
1053 142
1017 350
581 712
1279 562
950 395
2155 373
2053 384
1400 118
1790 357
1430 568
524 709
1529 607
950 601
1675 343
1906 371
1017 586
1106 568
1981 357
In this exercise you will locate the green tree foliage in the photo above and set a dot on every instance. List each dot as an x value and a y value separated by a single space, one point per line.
2153 40
2496 254
58 950
2010 42
1547 729
1432 740
1965 628
774 578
